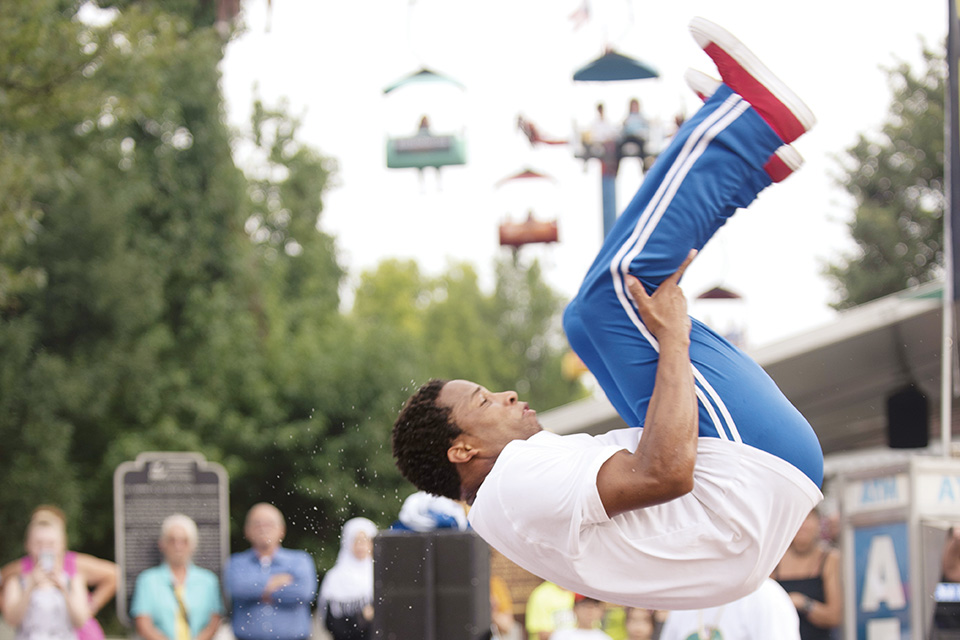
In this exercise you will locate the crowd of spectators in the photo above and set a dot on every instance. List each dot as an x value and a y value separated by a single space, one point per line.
55 594
269 592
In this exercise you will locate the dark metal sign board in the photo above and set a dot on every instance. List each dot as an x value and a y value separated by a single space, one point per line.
157 485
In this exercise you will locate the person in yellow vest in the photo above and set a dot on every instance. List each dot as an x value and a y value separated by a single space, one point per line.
177 600
549 608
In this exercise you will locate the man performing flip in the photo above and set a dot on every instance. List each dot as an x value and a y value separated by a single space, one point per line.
695 508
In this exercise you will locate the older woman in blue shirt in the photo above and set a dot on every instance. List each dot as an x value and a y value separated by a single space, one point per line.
177 600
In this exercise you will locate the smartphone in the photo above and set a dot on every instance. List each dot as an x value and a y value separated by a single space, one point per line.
47 561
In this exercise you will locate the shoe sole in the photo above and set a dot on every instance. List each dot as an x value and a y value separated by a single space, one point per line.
701 84
726 44
790 157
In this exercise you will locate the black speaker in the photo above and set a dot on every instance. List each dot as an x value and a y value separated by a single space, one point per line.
907 419
431 586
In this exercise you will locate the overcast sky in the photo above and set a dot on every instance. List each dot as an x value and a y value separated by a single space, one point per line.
331 60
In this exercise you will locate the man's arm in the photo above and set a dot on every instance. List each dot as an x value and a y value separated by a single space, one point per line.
243 584
661 469
301 586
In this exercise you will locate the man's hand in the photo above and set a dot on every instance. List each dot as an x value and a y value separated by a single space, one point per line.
276 582
665 312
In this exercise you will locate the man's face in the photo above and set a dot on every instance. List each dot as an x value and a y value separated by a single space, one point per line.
494 419
264 528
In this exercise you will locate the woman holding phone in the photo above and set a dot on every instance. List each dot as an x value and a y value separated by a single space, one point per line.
99 575
46 603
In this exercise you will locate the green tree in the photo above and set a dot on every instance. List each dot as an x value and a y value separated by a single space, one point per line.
896 179
447 327
529 326
321 460
156 298
42 94
136 334
153 296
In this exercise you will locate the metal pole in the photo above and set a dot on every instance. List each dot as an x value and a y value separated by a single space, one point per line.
946 350
952 148
608 191
609 167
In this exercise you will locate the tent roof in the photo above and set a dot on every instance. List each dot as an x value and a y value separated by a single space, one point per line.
422 75
525 174
719 293
613 66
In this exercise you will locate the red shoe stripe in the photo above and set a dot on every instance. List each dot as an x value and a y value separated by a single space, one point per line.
777 169
767 105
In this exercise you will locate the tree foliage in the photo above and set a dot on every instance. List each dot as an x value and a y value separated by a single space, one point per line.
447 327
156 297
896 179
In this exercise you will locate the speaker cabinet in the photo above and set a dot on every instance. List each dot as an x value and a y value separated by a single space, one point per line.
907 419
431 586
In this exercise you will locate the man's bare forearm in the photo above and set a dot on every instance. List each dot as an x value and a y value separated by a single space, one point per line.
661 468
668 448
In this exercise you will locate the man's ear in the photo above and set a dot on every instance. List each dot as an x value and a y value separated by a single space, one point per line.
461 452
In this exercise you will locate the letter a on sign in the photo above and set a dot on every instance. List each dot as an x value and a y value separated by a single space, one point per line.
881 582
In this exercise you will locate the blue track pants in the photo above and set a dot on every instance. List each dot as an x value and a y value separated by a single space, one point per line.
713 166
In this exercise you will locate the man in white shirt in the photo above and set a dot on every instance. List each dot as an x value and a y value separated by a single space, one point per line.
696 507
766 614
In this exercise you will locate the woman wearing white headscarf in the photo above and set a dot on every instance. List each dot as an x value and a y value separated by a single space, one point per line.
346 594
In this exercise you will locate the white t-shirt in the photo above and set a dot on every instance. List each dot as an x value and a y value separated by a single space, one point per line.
765 614
540 507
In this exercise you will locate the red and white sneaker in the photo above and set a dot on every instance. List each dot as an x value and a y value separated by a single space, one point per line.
743 72
782 163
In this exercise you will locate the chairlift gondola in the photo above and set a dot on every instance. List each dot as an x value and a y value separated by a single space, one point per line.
601 140
724 310
425 148
531 230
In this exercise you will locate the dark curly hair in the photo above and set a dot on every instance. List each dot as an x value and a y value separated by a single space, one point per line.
421 436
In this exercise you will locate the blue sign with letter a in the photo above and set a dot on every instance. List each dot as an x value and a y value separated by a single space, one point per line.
881 563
